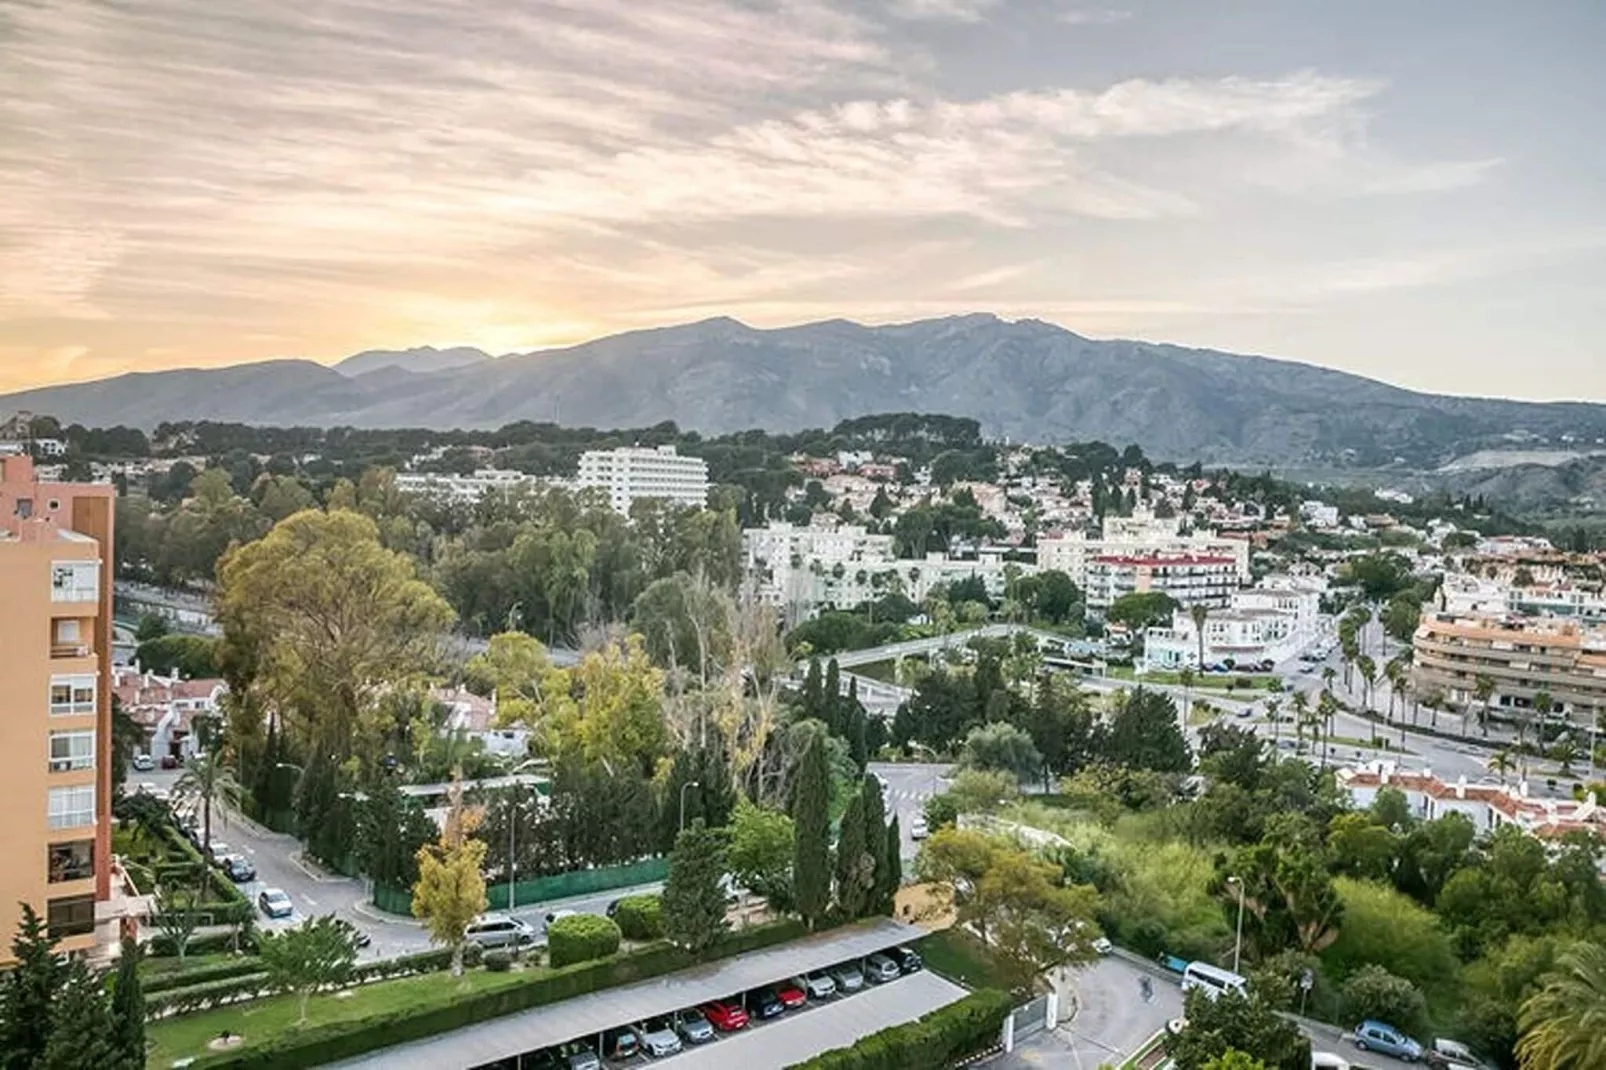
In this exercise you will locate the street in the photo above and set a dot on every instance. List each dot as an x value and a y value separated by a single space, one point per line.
909 785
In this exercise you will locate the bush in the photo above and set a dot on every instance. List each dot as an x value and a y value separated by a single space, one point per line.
581 938
498 960
640 917
243 966
403 966
940 1038
207 995
161 946
1373 992
332 1041
473 954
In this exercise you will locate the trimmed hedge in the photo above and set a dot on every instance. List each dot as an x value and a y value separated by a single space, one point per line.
333 1041
941 1037
207 995
243 966
641 917
230 982
581 938
162 946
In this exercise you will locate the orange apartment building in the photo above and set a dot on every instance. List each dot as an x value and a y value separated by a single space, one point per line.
55 732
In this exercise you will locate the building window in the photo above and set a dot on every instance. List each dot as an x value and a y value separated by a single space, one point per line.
72 808
72 750
73 861
72 916
72 694
75 581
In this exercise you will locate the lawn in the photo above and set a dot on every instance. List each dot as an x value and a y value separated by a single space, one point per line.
175 1038
960 957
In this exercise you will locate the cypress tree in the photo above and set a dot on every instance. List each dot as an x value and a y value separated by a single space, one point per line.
26 992
128 1011
853 873
875 843
811 800
80 1024
858 744
693 899
813 689
887 886
831 701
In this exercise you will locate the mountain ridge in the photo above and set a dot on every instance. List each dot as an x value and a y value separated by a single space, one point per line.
1025 379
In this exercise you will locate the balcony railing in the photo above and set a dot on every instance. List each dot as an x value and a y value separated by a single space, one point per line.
71 650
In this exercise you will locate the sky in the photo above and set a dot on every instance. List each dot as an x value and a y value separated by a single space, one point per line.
1410 191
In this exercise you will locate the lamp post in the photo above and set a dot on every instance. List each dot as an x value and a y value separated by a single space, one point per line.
512 828
683 787
1238 939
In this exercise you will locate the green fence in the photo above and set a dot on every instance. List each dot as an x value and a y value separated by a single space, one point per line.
544 889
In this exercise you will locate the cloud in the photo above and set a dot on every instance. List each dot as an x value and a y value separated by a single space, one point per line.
944 10
1093 16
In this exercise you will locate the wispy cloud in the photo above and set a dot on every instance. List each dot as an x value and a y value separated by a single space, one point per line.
1093 16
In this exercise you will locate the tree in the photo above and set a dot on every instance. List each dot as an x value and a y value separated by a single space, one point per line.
878 896
1372 992
811 800
1561 1023
1483 688
191 657
1143 734
889 879
330 620
391 829
206 779
1360 847
317 954
26 992
80 1023
831 699
1001 747
1053 596
177 918
150 626
128 1011
1198 613
619 717
1288 894
855 728
855 868
694 895
1142 611
1233 1059
1235 1022
762 843
450 892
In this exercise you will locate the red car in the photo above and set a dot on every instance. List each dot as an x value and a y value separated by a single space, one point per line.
790 995
727 1017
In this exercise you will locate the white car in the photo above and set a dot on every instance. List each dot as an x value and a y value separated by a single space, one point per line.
818 985
658 1037
917 828
144 763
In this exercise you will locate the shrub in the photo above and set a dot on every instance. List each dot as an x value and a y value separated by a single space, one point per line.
163 947
243 966
207 995
640 917
473 954
581 938
941 1037
498 960
1373 992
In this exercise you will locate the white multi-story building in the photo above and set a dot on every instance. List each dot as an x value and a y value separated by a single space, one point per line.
1138 535
1192 579
1272 622
469 488
631 473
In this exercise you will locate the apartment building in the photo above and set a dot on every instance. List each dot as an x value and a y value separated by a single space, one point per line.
1192 579
631 473
1141 534
467 489
1272 622
1524 656
55 739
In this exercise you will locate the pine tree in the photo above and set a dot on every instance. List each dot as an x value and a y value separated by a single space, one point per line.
858 744
693 899
80 1023
813 689
875 843
26 992
853 874
128 1011
831 700
890 879
811 798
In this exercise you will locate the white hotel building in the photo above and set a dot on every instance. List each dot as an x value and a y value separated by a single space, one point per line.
1141 534
630 473
1273 622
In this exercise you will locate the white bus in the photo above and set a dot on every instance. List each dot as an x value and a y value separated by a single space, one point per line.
1212 980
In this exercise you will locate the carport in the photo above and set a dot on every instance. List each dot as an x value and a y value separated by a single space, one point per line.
587 1016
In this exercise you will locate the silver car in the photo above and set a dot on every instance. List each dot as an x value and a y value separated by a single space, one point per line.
658 1038
848 977
880 969
818 985
499 930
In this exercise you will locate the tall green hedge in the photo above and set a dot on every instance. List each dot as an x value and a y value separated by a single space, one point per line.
329 1042
581 938
641 917
944 1035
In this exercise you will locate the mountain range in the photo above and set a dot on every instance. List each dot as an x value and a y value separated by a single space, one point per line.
1027 380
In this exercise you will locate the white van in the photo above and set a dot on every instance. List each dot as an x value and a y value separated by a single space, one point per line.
1212 980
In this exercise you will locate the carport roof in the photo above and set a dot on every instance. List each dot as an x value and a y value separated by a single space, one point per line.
586 1016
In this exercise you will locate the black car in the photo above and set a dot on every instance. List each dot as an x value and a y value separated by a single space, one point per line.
907 958
764 1003
239 869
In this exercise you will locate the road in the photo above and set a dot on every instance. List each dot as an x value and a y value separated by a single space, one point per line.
909 785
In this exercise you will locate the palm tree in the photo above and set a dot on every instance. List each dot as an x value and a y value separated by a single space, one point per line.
1329 674
1301 710
1483 690
1566 751
1185 678
1396 672
1199 614
205 778
1368 670
1272 706
1563 1025
1543 704
1500 763
1327 707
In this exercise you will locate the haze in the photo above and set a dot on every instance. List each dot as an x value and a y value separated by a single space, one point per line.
1408 191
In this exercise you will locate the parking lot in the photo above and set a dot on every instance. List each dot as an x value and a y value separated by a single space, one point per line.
570 1034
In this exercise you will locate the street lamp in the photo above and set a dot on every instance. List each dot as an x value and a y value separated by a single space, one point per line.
1238 940
683 787
512 828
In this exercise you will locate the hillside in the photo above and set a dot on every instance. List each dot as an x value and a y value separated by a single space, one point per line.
1027 380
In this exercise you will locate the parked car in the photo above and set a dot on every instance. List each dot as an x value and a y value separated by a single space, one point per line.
1386 1040
792 994
917 827
144 763
907 958
1103 946
218 850
499 930
620 1044
726 1015
766 1003
879 969
613 908
357 937
848 977
657 1037
1326 1060
818 984
579 1057
169 761
556 914
1447 1054
693 1026
239 869
275 903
